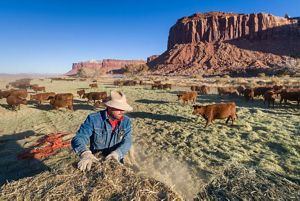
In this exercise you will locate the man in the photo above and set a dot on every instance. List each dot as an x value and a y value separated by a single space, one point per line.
107 131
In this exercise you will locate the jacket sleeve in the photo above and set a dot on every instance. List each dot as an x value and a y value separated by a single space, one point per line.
82 137
127 141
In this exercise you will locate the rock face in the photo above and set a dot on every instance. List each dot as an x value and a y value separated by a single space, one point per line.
106 64
216 41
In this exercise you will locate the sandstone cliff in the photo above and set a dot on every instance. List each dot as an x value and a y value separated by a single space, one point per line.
215 41
107 65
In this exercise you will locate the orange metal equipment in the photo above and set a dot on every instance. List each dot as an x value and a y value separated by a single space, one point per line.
46 146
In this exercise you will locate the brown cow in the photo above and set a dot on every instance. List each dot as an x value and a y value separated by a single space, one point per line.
249 94
20 92
270 97
204 89
241 89
118 82
216 111
260 91
290 94
227 91
63 96
195 88
95 96
42 97
37 88
15 101
98 104
155 86
94 85
278 87
188 96
130 83
5 94
161 86
81 92
62 101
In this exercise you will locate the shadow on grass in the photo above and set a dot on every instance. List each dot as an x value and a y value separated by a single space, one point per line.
12 168
145 101
163 117
77 105
6 106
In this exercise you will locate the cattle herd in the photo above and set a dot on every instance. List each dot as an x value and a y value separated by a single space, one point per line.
19 91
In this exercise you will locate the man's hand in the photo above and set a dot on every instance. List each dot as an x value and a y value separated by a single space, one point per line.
113 155
86 161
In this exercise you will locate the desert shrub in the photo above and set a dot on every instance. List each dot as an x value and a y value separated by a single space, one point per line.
99 72
197 76
226 76
261 75
135 69
82 73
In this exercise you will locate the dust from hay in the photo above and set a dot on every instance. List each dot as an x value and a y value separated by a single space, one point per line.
107 180
240 183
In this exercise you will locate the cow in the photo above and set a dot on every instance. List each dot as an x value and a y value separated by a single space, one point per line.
5 94
290 94
62 96
195 88
155 86
15 101
204 89
98 104
270 97
130 83
166 86
188 96
161 86
216 111
249 94
16 92
20 93
227 91
62 101
118 83
260 91
42 97
81 92
278 87
37 88
95 96
94 85
241 89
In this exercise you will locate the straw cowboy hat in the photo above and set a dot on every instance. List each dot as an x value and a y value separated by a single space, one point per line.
118 101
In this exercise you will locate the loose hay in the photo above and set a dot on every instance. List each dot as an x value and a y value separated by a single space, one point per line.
107 180
240 183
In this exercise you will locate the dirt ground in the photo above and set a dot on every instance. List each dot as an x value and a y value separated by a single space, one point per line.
170 144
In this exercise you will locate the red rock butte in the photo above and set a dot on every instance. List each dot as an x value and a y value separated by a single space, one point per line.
107 65
228 42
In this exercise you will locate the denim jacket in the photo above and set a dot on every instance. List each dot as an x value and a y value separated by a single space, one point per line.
97 131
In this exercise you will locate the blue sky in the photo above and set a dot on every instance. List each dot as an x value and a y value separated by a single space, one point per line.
47 36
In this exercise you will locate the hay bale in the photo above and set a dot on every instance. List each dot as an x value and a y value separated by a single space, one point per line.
107 180
240 183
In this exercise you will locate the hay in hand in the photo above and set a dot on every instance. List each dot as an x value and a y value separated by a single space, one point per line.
240 183
107 180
